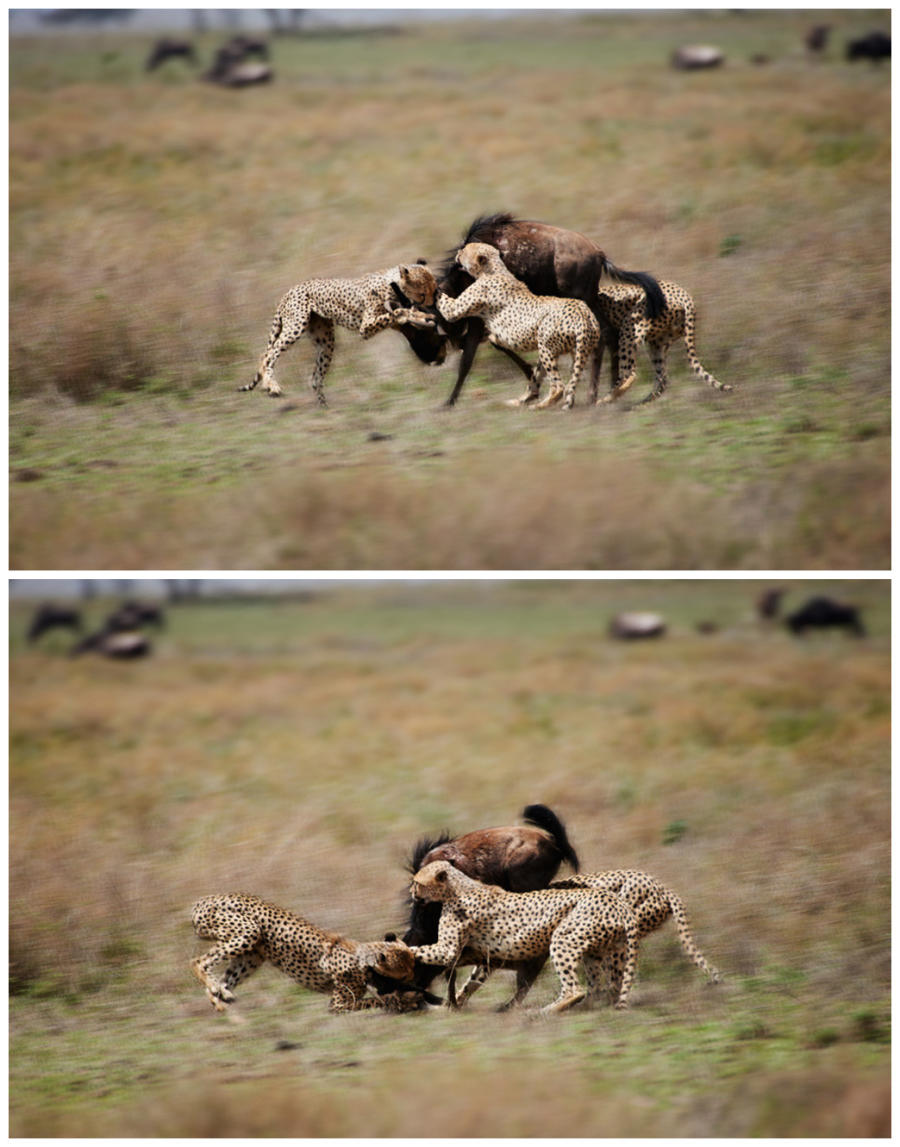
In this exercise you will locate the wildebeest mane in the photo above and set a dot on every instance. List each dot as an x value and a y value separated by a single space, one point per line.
422 848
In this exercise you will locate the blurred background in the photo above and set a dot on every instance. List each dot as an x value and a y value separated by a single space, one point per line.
173 173
295 739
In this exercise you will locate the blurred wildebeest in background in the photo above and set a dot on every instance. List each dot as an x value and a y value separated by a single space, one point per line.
549 261
242 47
816 38
50 616
123 646
875 46
134 614
691 57
227 74
768 604
230 68
825 613
167 49
634 626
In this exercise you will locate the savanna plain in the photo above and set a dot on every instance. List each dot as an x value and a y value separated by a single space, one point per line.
156 221
297 748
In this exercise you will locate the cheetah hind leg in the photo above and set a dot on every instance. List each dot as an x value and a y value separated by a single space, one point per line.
551 371
566 949
238 952
657 352
217 994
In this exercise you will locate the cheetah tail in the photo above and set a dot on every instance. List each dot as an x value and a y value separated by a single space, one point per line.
687 941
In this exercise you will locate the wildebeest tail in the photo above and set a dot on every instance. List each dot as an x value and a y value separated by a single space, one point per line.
542 817
656 302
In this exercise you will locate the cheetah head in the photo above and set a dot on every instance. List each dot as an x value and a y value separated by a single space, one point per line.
479 259
391 958
418 284
436 881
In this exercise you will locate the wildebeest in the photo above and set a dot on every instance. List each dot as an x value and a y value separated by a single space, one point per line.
231 73
131 615
825 613
549 261
769 603
50 616
119 645
692 57
874 46
816 39
167 49
634 626
519 858
241 47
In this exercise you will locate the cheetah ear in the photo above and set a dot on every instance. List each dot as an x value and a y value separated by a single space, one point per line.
403 269
422 262
482 260
390 936
440 877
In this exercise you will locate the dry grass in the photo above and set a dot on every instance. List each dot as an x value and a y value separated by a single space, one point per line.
297 750
156 222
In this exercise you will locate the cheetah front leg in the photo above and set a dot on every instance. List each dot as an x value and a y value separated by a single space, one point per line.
584 345
349 996
321 331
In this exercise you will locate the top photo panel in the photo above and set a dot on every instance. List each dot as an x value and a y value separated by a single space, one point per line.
333 289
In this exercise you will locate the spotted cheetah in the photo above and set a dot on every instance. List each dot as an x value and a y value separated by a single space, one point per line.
571 925
651 903
367 305
625 310
519 320
249 931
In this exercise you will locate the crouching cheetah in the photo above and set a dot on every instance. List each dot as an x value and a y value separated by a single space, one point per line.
366 305
571 925
249 931
519 320
652 905
625 310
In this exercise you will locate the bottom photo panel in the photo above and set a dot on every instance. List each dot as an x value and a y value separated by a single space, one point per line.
434 858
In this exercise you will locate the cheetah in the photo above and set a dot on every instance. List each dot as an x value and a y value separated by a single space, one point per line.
625 310
249 931
571 925
651 903
516 319
366 305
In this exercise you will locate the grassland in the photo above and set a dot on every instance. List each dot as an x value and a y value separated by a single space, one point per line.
156 221
297 748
